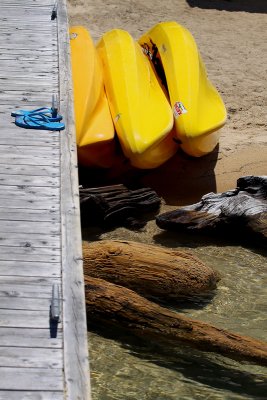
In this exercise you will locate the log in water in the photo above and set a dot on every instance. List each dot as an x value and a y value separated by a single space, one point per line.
151 271
112 304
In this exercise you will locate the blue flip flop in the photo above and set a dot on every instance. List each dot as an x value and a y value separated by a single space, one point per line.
38 122
47 112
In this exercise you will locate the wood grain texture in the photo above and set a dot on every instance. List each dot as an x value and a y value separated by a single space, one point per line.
21 379
74 322
31 362
33 395
33 337
152 271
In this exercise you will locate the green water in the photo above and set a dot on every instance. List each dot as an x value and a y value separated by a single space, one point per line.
124 368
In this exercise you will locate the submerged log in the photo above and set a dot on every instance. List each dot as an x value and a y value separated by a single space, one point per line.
243 209
112 304
117 205
152 271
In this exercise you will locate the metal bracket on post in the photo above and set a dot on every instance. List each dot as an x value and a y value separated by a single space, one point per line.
55 304
54 12
54 106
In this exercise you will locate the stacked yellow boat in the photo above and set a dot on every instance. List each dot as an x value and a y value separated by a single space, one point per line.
157 92
94 125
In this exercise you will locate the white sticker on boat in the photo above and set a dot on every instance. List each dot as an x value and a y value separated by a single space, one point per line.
179 109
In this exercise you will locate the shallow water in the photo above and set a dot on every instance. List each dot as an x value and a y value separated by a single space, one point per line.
123 367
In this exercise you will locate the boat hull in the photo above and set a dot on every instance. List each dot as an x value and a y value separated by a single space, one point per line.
140 110
197 106
94 125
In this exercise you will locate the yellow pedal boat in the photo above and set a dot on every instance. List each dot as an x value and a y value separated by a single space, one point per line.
94 126
197 106
140 110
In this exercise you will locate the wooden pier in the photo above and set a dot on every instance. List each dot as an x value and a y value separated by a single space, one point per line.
40 237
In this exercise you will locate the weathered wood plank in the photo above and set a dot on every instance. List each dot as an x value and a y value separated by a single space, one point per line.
31 379
29 269
27 287
28 141
36 203
34 395
29 150
51 228
30 254
21 214
27 159
34 338
30 358
74 322
22 180
31 239
50 171
40 282
30 190
12 303
24 319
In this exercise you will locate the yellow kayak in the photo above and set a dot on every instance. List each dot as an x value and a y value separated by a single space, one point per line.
94 125
197 106
140 110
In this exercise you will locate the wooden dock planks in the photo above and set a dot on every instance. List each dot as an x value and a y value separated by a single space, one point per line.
40 238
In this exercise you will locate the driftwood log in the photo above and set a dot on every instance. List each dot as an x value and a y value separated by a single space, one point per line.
156 272
112 304
242 210
117 205
151 271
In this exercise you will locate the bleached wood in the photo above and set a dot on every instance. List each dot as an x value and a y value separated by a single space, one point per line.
27 170
34 395
24 319
12 303
34 181
36 283
33 337
31 239
21 379
30 358
34 203
29 269
74 322
51 228
21 214
29 253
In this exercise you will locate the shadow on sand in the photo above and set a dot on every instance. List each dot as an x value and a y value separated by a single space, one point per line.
180 181
252 6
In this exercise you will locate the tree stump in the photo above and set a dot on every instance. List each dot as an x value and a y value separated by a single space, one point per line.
112 304
151 271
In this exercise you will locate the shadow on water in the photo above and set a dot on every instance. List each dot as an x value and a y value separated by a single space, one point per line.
199 367
252 6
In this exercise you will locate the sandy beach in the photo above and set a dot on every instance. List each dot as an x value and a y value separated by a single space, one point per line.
232 41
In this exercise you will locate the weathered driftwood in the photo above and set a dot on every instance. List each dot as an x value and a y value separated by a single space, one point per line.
243 209
117 205
147 269
112 304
